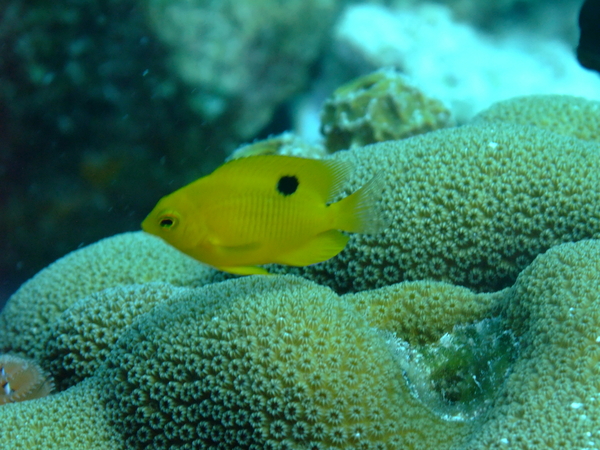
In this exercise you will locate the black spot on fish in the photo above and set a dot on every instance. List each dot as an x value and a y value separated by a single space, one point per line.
287 185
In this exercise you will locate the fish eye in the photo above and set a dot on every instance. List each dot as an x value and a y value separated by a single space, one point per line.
168 222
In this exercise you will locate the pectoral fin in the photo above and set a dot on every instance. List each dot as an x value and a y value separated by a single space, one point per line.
321 248
227 245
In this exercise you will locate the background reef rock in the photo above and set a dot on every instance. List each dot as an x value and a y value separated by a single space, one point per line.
544 17
380 106
242 58
94 127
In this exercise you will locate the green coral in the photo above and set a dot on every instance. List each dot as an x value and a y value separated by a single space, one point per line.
264 362
563 114
377 107
281 362
472 206
81 338
71 420
128 258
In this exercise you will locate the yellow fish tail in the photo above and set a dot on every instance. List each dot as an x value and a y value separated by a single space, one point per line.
361 212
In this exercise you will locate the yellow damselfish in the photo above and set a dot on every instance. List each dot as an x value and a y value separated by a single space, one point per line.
266 209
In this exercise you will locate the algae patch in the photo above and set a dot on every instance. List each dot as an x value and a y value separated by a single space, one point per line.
459 376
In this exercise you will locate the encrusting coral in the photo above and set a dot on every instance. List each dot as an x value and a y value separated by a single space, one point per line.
150 356
70 420
123 259
563 114
22 379
472 205
380 106
546 394
264 362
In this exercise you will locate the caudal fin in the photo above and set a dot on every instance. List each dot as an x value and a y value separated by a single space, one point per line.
362 212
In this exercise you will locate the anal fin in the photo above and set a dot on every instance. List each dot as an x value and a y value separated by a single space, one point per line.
244 270
321 248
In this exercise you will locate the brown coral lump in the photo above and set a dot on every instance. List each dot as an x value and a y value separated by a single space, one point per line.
377 107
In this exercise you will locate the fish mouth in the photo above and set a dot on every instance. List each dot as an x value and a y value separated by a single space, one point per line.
146 224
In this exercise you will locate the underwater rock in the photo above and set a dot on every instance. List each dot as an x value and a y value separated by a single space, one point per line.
588 48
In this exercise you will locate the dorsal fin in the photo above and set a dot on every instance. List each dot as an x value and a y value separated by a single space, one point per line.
326 177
